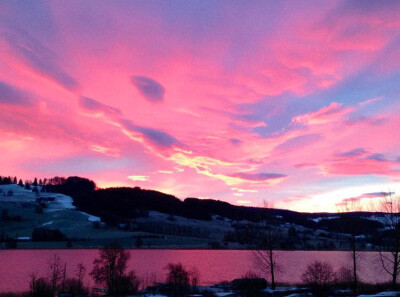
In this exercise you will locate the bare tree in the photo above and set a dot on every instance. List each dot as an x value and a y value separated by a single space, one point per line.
264 256
347 207
80 273
194 277
390 259
56 273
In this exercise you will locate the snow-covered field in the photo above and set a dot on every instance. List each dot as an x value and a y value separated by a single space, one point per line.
21 195
383 294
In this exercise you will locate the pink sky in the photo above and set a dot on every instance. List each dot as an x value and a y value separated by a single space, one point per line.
292 103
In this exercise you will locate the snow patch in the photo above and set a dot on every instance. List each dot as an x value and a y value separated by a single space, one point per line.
91 218
323 218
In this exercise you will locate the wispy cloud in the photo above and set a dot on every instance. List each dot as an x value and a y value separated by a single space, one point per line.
96 106
155 136
138 177
38 57
259 176
354 153
11 95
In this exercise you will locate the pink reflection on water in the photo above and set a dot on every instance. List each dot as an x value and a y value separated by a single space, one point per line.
214 265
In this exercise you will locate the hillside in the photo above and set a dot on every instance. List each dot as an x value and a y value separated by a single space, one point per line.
88 217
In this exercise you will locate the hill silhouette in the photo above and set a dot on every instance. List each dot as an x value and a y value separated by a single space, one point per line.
121 204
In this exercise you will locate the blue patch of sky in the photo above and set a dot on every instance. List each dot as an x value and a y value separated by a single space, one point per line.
78 164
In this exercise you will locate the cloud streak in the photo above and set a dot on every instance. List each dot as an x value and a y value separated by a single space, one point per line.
155 136
96 106
11 95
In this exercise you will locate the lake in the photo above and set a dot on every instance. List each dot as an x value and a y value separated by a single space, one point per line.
213 265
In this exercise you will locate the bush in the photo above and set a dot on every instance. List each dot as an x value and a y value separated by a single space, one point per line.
40 288
319 273
345 276
178 278
4 215
11 243
38 209
10 294
47 234
215 245
139 242
208 293
10 193
320 277
109 270
75 287
246 284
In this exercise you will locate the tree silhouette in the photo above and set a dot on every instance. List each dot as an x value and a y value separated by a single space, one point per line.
110 270
353 224
179 278
56 272
390 258
318 274
264 256
27 185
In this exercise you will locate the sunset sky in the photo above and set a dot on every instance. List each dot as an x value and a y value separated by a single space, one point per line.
292 102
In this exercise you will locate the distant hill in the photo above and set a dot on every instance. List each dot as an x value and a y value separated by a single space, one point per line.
116 205
89 217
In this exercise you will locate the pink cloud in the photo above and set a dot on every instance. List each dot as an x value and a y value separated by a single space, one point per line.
326 114
129 86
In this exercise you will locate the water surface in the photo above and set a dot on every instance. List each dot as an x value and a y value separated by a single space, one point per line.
213 265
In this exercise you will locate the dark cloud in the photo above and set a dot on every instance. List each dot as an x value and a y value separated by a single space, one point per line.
13 96
377 157
366 196
157 137
94 105
35 16
371 6
299 142
80 164
235 141
149 88
259 176
369 120
353 153
377 194
305 165
38 57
